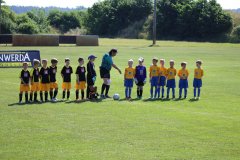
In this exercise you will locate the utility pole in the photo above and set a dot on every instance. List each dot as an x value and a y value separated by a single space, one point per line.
155 22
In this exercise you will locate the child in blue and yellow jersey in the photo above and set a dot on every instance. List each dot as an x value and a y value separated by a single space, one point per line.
154 77
35 86
183 82
25 80
140 77
171 84
162 79
197 82
128 79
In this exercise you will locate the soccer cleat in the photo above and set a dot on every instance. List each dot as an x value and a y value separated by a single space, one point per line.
36 101
185 97
195 98
198 98
107 96
20 102
102 96
167 97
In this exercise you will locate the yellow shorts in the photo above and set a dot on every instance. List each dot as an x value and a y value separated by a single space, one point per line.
66 85
44 86
81 85
53 85
24 88
35 87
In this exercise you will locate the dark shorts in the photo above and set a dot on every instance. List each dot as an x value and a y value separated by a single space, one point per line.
104 73
90 81
154 81
162 81
183 83
140 83
128 83
197 83
171 83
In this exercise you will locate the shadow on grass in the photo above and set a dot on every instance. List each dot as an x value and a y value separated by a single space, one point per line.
85 100
179 99
132 100
34 103
193 100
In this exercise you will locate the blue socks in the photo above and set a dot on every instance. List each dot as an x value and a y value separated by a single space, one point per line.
173 92
156 91
199 92
159 90
162 92
195 92
151 91
128 92
185 93
180 92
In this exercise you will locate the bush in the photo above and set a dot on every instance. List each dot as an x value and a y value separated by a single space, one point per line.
7 21
109 17
235 36
28 28
64 21
77 31
133 30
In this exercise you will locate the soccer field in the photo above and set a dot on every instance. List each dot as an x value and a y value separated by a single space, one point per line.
141 129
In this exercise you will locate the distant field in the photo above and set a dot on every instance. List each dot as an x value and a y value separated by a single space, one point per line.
149 130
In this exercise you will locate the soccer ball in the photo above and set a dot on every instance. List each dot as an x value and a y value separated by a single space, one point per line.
116 96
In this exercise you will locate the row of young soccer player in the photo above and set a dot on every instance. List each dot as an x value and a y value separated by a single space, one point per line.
44 80
161 77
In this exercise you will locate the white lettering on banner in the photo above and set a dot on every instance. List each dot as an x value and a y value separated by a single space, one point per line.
14 57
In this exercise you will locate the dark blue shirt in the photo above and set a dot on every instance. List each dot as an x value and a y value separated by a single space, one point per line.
141 73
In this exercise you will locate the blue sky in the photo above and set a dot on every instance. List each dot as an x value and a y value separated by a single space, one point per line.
226 4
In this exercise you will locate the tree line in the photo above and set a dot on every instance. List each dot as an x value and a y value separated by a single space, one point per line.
197 20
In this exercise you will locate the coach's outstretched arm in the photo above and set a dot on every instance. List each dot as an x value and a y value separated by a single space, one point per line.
114 66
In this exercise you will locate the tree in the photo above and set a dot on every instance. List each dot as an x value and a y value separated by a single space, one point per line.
1 2
8 19
40 17
192 19
109 17
64 21
235 36
26 25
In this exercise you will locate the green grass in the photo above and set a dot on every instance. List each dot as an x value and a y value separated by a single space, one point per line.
150 130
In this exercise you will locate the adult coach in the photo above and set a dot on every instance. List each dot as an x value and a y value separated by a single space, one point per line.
105 68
